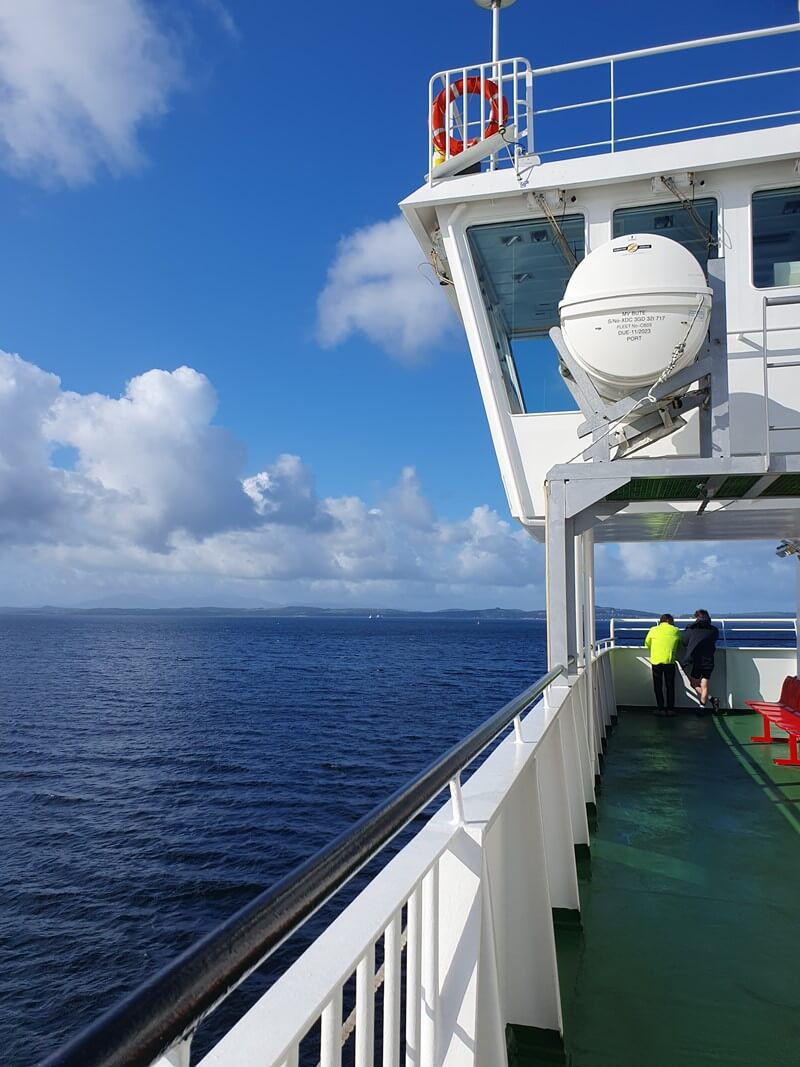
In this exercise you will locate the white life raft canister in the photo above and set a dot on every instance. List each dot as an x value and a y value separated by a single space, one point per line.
627 308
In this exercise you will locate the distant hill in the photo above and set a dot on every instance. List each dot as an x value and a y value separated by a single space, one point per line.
309 611
139 606
129 601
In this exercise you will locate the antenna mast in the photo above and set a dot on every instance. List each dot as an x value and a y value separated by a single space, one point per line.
495 6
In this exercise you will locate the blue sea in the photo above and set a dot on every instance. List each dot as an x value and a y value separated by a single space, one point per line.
157 772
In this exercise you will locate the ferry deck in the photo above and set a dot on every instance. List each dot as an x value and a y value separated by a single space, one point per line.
605 887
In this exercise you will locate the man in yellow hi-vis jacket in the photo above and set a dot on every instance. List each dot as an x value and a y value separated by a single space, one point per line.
663 642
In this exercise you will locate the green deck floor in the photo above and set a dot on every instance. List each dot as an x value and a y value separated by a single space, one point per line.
689 947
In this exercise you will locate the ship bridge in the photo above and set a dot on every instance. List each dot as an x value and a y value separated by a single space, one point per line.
532 172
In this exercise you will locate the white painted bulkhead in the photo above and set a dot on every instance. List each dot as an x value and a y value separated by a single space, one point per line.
463 914
468 902
528 445
740 674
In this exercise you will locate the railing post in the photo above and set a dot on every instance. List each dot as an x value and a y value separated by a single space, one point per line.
611 94
766 382
331 1032
611 632
413 980
529 109
178 1056
457 800
429 1027
431 148
391 992
365 1008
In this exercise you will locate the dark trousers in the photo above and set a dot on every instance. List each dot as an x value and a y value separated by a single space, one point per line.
664 678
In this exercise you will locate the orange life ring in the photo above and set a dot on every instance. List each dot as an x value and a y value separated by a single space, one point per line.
461 88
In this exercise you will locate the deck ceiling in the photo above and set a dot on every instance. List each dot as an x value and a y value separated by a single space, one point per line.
734 487
743 524
739 507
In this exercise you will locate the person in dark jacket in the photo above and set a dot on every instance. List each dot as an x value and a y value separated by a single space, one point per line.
699 645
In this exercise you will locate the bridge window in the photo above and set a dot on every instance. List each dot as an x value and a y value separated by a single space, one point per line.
776 238
523 268
695 229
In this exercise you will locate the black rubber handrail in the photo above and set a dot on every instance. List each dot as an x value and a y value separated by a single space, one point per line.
167 1008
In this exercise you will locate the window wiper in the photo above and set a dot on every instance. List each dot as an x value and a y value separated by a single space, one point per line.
558 233
690 210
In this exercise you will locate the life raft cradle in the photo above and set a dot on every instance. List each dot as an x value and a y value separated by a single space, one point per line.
498 115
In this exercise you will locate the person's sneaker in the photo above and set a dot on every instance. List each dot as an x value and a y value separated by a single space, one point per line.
715 705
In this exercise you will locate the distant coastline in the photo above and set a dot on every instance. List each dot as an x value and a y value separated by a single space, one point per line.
300 611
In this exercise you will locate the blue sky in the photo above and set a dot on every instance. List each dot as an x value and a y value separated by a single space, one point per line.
176 183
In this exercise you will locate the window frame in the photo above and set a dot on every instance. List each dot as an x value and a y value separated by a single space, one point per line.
771 188
657 201
576 208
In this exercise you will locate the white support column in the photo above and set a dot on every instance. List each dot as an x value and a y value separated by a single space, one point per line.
470 1016
573 764
522 911
490 1044
561 633
580 602
562 875
459 910
606 689
588 577
581 719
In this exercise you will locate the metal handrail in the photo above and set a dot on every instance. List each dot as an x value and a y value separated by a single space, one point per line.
779 625
522 79
646 620
167 1009
768 302
662 49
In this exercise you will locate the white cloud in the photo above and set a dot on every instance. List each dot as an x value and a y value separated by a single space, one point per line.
379 285
150 463
78 79
223 17
157 491
680 576
154 500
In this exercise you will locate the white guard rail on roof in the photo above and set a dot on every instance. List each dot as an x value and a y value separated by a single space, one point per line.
454 938
756 91
473 102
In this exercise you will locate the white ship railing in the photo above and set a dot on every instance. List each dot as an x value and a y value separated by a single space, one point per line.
733 631
613 123
462 918
449 943
468 115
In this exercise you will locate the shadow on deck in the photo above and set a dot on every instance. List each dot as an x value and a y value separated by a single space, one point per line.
688 951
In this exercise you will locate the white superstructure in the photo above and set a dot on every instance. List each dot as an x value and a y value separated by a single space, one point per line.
704 443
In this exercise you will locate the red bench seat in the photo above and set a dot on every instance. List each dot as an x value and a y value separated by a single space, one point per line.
785 713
